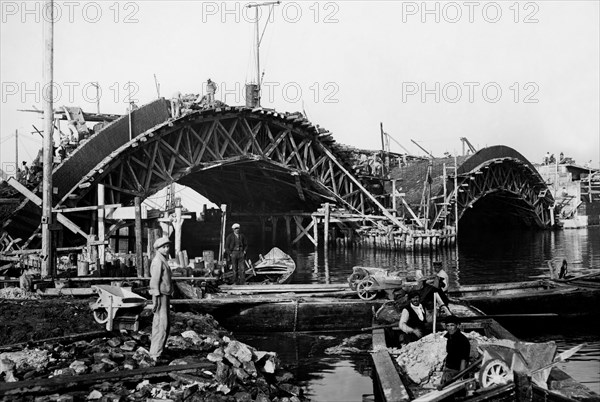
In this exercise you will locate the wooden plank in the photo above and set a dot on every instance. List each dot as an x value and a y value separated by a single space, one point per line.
90 208
392 388
67 292
446 392
58 339
38 201
109 278
5 201
64 382
286 288
499 286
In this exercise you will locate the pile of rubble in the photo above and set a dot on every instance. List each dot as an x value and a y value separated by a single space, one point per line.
201 362
17 293
423 361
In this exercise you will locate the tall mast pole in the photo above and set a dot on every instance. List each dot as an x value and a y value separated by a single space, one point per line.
257 58
47 252
258 40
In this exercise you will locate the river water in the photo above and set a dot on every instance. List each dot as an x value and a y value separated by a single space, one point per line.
483 257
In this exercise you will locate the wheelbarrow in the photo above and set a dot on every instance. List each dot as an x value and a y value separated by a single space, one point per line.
114 301
368 281
500 362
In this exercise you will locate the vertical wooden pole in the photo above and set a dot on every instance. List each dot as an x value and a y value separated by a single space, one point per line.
382 150
139 253
315 230
223 230
445 199
455 197
152 236
101 229
394 203
326 224
177 224
47 254
434 312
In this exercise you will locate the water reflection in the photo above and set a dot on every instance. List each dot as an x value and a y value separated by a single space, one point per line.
506 256
323 377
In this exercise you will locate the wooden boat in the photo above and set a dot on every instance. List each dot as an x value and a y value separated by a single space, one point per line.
568 299
389 384
284 312
275 267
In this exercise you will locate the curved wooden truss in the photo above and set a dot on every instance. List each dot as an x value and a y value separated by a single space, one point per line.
512 183
253 160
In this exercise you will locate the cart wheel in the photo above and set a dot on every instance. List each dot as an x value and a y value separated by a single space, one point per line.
494 372
100 314
365 289
353 281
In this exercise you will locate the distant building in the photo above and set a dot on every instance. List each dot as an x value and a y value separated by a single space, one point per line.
576 191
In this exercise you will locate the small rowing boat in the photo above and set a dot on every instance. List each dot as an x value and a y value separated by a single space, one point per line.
275 267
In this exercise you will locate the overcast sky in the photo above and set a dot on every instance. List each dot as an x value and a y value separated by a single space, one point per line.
521 74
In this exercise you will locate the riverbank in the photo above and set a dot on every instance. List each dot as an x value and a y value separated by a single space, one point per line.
117 366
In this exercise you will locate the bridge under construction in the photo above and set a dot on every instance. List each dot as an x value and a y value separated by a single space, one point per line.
278 169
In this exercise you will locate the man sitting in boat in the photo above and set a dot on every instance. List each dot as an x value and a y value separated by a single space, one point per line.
433 289
413 318
458 350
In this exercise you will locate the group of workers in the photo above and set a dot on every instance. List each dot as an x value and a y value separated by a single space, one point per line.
415 317
413 321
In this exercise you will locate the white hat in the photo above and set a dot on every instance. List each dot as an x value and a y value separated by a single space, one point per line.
235 226
161 242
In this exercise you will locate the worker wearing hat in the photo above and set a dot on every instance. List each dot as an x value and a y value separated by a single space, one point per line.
161 289
458 350
413 318
235 247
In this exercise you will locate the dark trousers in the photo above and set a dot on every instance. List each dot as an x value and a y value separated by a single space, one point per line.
239 267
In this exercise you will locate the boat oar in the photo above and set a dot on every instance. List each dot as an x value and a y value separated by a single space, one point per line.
474 318
561 358
581 277
460 374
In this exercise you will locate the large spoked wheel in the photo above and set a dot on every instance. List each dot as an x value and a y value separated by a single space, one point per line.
494 372
365 289
100 314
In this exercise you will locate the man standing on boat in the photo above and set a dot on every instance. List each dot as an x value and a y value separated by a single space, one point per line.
413 318
161 289
458 350
235 247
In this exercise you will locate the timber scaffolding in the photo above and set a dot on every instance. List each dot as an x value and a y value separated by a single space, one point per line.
138 154
331 226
